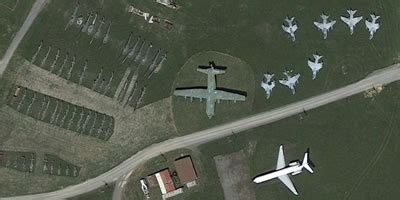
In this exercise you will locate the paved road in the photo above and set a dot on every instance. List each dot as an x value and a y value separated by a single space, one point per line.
384 76
36 8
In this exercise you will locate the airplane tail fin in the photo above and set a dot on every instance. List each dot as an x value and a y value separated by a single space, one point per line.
375 17
317 57
289 20
217 71
351 12
305 163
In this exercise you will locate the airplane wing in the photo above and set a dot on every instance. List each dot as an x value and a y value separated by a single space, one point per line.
357 19
371 26
222 95
283 82
288 183
367 23
330 24
286 29
281 159
345 20
294 28
319 25
194 93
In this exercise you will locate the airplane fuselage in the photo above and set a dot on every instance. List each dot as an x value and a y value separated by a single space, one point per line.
211 81
211 86
293 168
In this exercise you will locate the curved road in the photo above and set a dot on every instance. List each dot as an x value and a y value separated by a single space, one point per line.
383 76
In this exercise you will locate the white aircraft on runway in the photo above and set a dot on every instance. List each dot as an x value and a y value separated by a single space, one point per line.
291 27
316 65
282 171
351 21
268 84
372 26
290 81
325 26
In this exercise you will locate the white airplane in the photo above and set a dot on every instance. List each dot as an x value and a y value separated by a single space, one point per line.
325 26
291 27
290 81
351 21
372 26
316 65
282 171
268 84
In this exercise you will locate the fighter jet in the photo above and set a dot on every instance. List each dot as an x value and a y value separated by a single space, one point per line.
211 94
290 81
372 25
291 27
316 65
282 171
351 21
325 26
268 84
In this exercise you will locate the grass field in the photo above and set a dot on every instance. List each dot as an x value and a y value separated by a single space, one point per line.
12 15
247 30
354 151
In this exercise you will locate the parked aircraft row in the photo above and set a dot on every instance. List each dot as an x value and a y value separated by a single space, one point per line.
268 83
325 25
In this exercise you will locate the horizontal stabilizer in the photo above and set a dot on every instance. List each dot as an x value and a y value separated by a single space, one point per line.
211 70
305 163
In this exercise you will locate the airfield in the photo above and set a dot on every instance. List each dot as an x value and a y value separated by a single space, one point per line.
350 140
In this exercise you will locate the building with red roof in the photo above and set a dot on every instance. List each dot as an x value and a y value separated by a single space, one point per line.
165 182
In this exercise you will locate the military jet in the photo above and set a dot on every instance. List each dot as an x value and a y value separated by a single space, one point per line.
372 25
211 94
351 21
315 65
325 26
268 84
290 81
282 171
291 27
